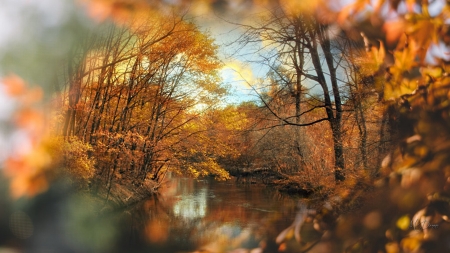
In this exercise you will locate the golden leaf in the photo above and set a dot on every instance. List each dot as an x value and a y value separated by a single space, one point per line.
379 54
434 72
404 222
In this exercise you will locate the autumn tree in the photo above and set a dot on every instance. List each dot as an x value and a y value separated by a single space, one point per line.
364 121
300 53
211 144
135 91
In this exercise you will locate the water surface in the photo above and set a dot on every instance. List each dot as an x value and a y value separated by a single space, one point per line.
190 215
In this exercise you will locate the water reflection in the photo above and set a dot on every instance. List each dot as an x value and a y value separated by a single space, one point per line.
190 215
192 206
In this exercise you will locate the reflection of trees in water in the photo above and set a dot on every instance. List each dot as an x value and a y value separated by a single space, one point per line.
164 221
144 222
220 217
193 206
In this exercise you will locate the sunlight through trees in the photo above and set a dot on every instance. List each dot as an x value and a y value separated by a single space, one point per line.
106 102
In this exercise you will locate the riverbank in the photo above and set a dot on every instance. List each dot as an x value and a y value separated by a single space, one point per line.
289 184
125 194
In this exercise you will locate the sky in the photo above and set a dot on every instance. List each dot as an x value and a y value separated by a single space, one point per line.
240 70
237 73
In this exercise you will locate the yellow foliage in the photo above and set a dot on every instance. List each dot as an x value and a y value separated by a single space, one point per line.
372 61
72 155
405 59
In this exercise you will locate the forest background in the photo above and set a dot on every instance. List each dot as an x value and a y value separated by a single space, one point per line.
354 102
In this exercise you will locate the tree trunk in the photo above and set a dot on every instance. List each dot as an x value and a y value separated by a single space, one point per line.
334 116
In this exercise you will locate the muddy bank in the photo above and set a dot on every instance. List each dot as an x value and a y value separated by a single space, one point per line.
293 187
124 194
290 184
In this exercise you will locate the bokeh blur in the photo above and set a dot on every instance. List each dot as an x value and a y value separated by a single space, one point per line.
134 77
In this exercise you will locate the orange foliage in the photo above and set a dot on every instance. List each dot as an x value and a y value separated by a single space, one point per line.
123 12
139 92
26 163
120 11
14 85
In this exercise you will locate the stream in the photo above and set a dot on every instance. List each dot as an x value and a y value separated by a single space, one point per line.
187 215
190 215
